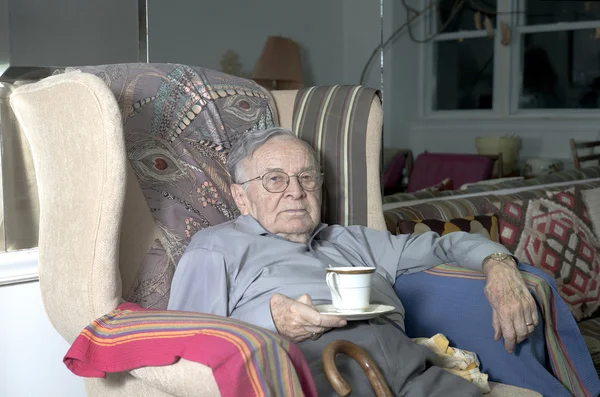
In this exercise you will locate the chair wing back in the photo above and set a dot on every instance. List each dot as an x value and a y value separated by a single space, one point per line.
179 122
344 124
74 129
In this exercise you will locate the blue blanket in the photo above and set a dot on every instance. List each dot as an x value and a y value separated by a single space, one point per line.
450 300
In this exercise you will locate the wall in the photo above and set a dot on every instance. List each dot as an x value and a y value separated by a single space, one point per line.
4 37
401 73
72 32
362 33
199 33
336 46
31 351
540 138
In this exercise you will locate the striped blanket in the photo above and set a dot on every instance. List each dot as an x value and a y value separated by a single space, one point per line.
554 360
246 360
590 329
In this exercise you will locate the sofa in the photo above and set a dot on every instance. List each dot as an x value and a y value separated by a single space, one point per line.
549 222
510 184
101 225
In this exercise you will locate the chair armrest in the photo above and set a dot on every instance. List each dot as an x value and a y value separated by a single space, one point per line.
189 379
182 379
502 390
451 300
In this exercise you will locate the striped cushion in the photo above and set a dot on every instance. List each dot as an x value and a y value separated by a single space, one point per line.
334 121
441 209
246 360
563 176
484 225
457 207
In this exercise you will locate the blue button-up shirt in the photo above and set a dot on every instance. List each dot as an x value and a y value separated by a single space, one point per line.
233 269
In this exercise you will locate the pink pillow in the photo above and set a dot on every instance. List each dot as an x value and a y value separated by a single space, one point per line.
430 168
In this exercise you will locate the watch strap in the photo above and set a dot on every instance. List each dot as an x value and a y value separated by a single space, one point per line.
499 256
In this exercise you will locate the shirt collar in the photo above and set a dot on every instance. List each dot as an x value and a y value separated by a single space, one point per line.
247 224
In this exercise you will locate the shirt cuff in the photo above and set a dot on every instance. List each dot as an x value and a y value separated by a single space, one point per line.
259 315
474 260
269 323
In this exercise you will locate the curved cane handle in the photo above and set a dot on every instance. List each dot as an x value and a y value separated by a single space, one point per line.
348 348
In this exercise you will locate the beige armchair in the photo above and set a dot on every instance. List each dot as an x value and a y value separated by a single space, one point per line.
95 226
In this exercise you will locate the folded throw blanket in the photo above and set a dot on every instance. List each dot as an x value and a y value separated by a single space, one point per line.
246 360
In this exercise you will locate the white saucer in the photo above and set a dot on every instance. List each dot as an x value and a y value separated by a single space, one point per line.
372 311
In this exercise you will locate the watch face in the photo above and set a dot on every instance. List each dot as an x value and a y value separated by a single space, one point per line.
499 257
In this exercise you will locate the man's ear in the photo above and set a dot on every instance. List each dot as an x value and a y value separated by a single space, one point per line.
239 196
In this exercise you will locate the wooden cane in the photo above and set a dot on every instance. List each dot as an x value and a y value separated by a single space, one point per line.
355 352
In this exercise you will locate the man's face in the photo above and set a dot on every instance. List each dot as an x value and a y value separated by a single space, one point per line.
293 213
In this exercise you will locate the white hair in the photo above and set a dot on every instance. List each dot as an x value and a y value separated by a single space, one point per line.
249 142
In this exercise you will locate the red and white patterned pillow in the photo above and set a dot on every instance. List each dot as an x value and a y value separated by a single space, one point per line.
553 233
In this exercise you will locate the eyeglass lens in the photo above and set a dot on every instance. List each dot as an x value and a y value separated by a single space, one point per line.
278 181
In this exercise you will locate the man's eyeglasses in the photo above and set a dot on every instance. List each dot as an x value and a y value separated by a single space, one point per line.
278 181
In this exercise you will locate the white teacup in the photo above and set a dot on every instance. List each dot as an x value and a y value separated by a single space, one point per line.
350 287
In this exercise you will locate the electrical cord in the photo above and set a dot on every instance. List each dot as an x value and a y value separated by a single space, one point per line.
474 5
393 36
409 20
457 6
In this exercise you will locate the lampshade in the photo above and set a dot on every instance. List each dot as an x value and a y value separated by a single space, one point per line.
279 64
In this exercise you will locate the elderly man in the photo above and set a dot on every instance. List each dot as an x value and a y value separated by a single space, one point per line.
267 268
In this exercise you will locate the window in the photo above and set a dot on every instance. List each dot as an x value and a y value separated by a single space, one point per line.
463 52
511 56
19 208
560 55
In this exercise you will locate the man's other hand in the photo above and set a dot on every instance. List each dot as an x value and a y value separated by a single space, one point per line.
515 314
298 320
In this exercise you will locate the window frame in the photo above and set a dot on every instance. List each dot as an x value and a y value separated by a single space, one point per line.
19 266
507 68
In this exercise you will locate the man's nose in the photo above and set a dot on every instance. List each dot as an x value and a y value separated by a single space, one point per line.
294 189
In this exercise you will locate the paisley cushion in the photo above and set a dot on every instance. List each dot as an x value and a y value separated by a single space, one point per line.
553 232
179 122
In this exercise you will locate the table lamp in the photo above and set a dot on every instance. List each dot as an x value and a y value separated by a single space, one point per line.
279 67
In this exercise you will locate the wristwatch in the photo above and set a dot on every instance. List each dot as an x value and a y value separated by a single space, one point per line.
498 256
